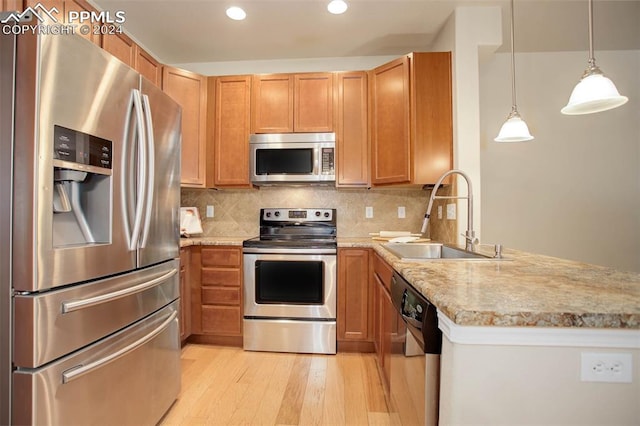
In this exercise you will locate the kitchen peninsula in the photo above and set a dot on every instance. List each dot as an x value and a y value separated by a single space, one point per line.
514 333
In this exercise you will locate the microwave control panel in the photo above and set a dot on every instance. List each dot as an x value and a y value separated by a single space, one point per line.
328 161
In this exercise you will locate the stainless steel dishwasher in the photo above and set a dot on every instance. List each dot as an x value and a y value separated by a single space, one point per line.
415 356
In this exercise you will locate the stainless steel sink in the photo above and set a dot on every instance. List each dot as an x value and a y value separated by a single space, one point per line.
430 251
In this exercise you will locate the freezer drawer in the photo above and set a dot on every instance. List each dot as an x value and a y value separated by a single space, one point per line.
130 378
53 324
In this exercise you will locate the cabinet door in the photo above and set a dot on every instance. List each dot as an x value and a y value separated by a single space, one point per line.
353 295
313 102
431 116
221 291
120 46
147 66
272 103
185 294
83 6
231 131
189 90
390 142
10 5
352 138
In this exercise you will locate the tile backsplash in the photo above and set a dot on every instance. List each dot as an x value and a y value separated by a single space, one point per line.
236 212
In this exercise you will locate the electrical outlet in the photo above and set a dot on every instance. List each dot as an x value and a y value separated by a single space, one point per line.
606 367
368 212
451 211
439 212
210 211
401 212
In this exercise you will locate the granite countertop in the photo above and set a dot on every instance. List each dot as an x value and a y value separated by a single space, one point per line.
211 241
525 290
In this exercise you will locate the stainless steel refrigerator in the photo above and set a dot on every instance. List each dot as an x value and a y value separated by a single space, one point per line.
89 237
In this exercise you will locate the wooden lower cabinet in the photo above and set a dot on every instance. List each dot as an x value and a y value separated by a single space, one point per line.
217 296
386 323
354 324
185 293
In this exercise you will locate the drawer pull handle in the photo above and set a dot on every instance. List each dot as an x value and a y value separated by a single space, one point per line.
76 305
81 370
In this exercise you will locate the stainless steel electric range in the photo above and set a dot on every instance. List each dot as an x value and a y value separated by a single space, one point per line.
290 282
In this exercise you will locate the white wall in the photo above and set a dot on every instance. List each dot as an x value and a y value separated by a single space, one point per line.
469 33
574 191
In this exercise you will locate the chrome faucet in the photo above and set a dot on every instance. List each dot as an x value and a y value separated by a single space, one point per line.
469 236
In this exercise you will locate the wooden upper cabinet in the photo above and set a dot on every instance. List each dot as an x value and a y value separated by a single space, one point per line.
83 6
351 127
272 103
147 66
287 103
120 46
11 5
63 8
411 119
313 102
190 91
431 116
125 49
231 128
390 143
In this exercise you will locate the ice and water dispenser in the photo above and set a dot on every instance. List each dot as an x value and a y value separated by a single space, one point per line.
82 173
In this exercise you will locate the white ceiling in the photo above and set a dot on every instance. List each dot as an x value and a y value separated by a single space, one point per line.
192 31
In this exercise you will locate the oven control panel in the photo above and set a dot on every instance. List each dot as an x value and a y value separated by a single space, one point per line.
297 215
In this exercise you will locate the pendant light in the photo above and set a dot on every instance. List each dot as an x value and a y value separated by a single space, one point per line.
514 128
594 92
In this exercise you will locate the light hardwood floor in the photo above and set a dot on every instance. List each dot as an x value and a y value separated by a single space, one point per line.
228 386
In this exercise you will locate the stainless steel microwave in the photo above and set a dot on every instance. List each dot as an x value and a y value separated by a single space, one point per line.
292 158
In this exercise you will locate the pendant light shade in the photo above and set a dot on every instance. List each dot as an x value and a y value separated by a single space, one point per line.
514 128
594 92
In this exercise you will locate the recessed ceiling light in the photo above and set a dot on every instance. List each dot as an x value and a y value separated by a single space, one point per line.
337 7
236 13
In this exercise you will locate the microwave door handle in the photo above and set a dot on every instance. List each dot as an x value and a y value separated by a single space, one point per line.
317 158
141 170
150 171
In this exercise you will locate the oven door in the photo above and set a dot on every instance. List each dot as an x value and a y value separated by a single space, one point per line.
290 284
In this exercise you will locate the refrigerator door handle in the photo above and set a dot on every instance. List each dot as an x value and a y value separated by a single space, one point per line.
126 184
81 370
75 305
142 170
150 162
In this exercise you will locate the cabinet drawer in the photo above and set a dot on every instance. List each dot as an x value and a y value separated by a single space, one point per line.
382 270
221 320
221 277
221 296
226 257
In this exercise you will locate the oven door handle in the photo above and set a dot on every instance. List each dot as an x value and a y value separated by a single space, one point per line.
295 251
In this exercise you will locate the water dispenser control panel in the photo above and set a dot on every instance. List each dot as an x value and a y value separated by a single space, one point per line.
80 151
